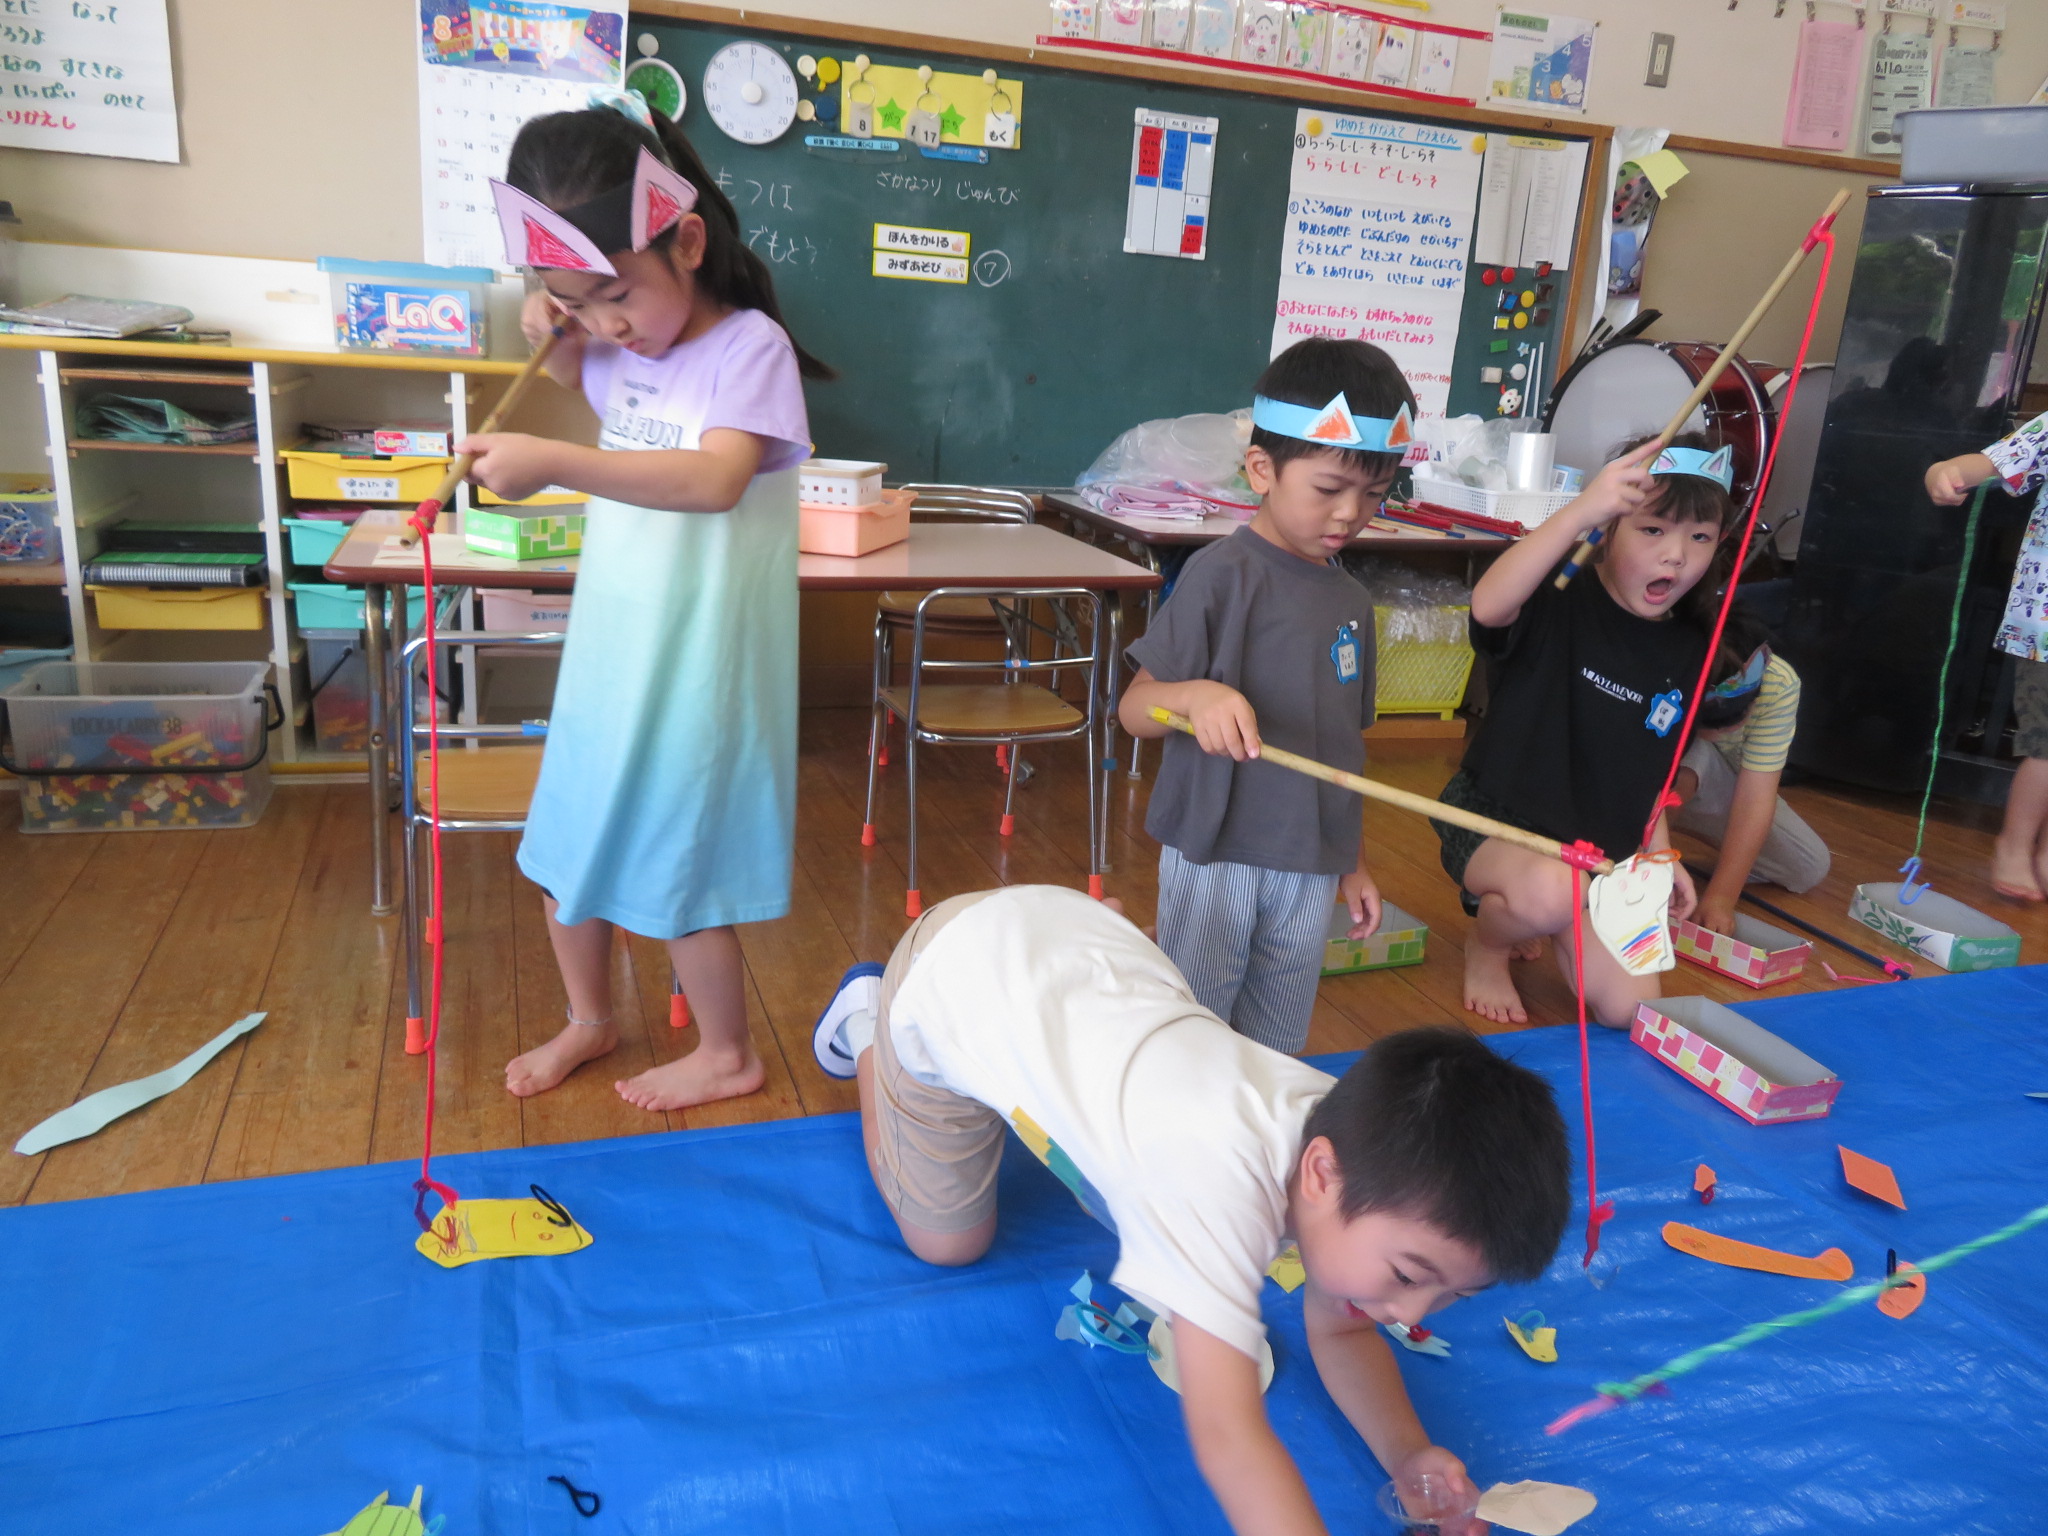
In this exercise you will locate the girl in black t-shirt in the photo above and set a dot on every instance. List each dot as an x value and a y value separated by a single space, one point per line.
1589 687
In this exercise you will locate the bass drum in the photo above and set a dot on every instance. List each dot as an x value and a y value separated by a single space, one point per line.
1785 498
1632 389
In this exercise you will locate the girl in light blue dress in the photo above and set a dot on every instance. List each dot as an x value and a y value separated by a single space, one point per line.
666 803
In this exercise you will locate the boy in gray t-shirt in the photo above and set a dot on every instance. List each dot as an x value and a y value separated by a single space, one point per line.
1266 637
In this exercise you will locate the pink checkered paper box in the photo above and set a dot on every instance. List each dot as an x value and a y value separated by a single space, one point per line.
1757 955
1760 1077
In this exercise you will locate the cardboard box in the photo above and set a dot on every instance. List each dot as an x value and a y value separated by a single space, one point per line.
522 536
1757 954
1400 941
1760 1077
526 612
1937 928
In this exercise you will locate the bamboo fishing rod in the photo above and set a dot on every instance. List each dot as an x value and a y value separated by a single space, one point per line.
459 470
1422 805
1720 366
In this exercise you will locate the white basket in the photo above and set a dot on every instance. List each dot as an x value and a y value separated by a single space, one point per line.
1529 508
839 482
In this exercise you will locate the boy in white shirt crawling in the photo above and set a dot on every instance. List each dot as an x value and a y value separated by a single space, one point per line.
1430 1170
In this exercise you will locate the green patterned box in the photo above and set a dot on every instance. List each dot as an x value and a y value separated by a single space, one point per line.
1399 941
1936 927
512 535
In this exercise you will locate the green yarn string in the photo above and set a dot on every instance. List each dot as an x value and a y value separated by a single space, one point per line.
1955 618
1629 1391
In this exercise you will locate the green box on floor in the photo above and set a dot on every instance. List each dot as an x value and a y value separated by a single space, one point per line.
1399 940
512 535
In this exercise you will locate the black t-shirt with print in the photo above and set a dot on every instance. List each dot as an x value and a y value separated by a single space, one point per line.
1585 704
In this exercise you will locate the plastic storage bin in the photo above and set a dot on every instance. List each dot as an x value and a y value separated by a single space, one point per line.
525 612
324 605
351 477
839 482
1422 670
315 539
338 677
28 521
1963 144
832 530
107 746
179 608
404 306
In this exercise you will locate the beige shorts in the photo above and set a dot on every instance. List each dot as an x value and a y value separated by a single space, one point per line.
935 1151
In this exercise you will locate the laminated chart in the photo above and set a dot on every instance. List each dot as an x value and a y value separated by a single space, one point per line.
1173 165
1379 225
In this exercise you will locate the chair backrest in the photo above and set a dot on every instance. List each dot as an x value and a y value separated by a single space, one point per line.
1074 648
970 504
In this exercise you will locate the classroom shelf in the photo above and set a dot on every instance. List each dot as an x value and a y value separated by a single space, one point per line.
226 378
245 450
31 575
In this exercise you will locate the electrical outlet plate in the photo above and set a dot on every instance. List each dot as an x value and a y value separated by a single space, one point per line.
1661 46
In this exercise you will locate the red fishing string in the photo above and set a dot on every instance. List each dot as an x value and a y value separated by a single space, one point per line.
423 524
1822 234
1596 1213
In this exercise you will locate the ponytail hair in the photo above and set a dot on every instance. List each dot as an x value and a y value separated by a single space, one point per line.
566 158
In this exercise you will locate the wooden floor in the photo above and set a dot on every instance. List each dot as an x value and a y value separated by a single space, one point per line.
121 953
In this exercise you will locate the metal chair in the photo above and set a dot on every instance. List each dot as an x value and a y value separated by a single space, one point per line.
1010 712
486 790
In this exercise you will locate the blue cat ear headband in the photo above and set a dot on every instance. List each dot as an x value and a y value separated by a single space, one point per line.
1718 466
1333 425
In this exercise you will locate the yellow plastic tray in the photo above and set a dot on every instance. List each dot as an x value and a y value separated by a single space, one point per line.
165 608
1419 678
348 477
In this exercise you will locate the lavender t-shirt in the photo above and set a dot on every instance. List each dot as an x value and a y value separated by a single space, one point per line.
739 374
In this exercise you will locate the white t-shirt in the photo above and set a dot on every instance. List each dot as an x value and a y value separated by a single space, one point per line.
1173 1129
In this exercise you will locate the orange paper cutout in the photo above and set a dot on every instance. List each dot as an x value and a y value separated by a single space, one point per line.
1901 1300
1871 1176
1716 1249
1703 1181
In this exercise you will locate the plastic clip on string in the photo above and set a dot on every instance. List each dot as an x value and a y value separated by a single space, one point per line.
1612 1394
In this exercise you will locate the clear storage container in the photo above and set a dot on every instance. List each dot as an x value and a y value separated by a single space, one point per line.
405 306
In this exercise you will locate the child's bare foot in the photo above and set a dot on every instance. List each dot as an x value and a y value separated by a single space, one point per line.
1489 991
1528 949
698 1078
2015 873
544 1066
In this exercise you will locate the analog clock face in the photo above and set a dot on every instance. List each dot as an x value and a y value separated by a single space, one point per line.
750 92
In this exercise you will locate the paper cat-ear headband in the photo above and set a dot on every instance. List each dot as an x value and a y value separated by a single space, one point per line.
1717 466
1333 425
627 218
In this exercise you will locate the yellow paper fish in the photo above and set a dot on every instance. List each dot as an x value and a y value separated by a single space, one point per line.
502 1229
1539 1343
1286 1268
381 1517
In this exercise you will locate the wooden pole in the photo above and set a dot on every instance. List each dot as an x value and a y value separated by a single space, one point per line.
1720 365
457 471
1422 805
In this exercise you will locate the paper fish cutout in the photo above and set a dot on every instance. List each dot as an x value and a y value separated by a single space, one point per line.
1716 1249
96 1111
1088 1322
1872 1177
1539 1509
1286 1268
502 1229
1903 1300
1421 1340
1538 1339
380 1517
1703 1180
1631 912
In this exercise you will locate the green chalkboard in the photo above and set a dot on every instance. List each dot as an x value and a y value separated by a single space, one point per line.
1061 340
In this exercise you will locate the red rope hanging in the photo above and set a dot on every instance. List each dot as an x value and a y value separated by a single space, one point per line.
423 523
1596 1213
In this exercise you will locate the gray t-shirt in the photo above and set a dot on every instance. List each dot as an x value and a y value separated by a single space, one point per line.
1296 639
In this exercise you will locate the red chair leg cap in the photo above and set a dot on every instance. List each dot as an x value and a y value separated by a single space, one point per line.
913 904
882 758
1095 886
867 834
678 1011
1003 758
1009 825
415 1037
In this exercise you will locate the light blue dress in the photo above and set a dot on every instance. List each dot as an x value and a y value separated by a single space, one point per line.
667 793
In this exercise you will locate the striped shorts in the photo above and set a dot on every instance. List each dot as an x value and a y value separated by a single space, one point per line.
1250 942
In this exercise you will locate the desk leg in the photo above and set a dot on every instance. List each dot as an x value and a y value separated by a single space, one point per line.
376 662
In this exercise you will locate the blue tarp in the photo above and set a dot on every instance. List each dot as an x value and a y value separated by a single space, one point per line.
747 1348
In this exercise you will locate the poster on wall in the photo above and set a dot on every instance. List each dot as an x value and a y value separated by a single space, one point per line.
1173 164
1821 112
1540 61
89 78
1379 224
1901 79
486 66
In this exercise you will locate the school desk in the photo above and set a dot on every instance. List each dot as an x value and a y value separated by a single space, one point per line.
935 555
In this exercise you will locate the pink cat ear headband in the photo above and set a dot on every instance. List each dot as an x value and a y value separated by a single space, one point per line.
628 217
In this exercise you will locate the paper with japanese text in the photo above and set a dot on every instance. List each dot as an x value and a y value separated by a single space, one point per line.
88 77
1379 225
